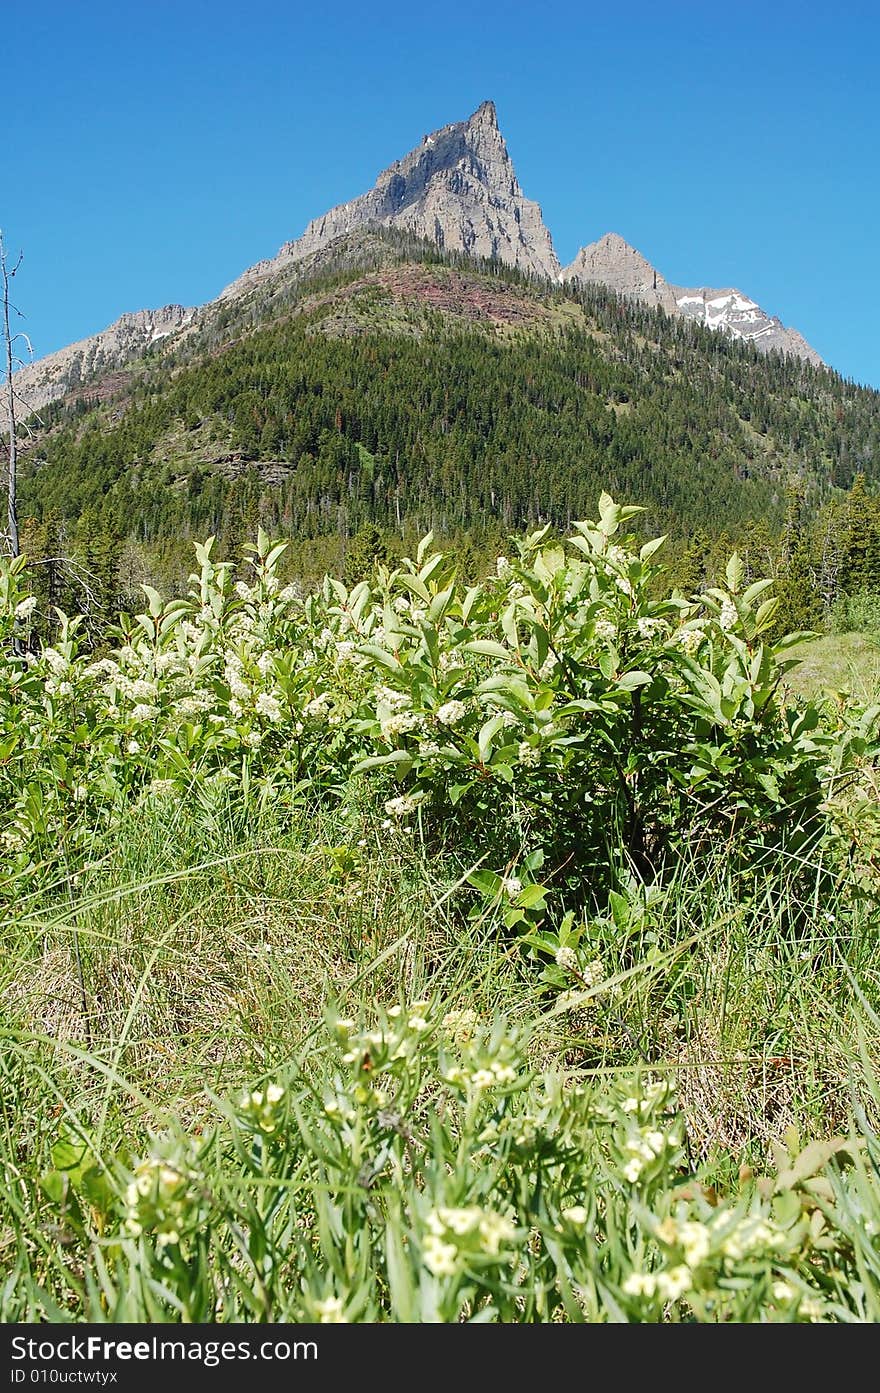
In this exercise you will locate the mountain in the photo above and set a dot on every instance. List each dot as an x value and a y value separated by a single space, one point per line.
458 189
392 386
734 313
93 359
613 262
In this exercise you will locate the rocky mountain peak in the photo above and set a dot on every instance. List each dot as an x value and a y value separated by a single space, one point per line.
613 262
457 188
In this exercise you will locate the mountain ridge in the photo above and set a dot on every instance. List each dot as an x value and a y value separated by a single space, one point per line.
458 189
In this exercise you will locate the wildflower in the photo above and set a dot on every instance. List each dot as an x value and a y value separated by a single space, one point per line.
690 640
142 690
387 696
483 1078
694 1243
728 617
494 1229
398 724
633 1169
640 1284
502 567
576 1215
54 661
417 1023
605 630
782 1291
528 756
440 1258
460 1025
647 626
504 1073
401 807
594 972
142 712
260 1108
566 958
268 706
511 885
133 748
25 608
459 1221
451 712
547 668
330 1311
673 1284
318 707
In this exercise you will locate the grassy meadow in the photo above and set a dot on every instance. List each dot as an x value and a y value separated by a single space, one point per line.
411 953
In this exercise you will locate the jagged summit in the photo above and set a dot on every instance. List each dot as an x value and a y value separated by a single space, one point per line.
458 188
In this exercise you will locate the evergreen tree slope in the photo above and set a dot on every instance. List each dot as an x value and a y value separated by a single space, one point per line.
385 383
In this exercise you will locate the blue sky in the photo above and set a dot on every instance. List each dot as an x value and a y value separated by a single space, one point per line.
157 149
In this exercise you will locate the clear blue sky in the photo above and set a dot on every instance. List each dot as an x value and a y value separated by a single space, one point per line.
156 149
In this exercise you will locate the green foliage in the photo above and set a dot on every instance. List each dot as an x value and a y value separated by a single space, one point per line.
557 707
350 403
432 1175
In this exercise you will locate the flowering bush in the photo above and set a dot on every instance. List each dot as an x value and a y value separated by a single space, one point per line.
563 705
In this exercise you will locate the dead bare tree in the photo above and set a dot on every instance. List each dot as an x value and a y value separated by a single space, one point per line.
9 341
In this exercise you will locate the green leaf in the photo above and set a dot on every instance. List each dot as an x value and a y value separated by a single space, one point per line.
372 650
735 573
630 680
489 648
530 896
403 758
649 548
487 734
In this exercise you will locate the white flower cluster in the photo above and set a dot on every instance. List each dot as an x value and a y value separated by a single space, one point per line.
453 1234
690 640
729 618
25 608
261 1110
401 807
397 724
528 756
451 713
159 1200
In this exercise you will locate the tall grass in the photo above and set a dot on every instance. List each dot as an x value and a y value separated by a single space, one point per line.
194 960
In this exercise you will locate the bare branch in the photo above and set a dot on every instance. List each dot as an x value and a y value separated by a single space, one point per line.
11 514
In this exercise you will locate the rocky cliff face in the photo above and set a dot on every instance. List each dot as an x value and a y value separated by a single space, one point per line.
62 372
458 189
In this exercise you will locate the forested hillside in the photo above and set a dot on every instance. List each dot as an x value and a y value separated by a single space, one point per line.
405 394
